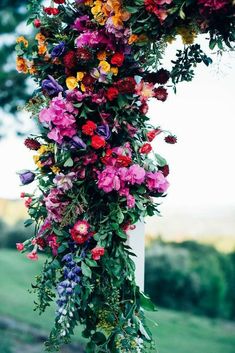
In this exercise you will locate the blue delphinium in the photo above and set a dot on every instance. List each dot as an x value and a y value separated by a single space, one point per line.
66 292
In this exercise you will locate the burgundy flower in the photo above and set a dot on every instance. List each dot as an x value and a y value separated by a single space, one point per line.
161 77
32 144
126 85
70 60
171 139
83 54
160 93
165 170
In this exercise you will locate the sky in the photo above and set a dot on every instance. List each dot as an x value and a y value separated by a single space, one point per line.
202 163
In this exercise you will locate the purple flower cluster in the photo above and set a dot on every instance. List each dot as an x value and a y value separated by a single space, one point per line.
66 287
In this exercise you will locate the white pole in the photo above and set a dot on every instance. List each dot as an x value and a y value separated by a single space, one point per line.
136 242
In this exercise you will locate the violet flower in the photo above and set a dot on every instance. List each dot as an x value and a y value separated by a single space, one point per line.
51 86
77 142
64 182
58 50
104 131
26 177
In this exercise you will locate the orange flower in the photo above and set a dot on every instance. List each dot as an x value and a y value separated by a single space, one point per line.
101 55
21 65
40 37
42 49
22 39
132 39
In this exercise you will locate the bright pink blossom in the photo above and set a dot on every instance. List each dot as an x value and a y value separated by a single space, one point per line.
20 246
97 252
33 255
156 182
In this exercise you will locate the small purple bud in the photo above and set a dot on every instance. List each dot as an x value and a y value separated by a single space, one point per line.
26 177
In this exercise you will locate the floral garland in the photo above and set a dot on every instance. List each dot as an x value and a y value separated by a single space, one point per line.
97 63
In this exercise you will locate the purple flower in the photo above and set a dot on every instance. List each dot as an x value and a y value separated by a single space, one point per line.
51 86
58 50
26 177
77 142
64 182
104 131
80 24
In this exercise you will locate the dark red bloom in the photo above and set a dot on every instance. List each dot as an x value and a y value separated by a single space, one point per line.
171 139
126 85
152 134
146 148
59 1
79 238
37 23
51 11
32 144
165 170
123 161
89 128
161 77
160 93
97 142
112 93
88 80
70 60
118 59
41 242
83 54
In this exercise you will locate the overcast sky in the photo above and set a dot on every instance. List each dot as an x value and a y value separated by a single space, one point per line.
202 162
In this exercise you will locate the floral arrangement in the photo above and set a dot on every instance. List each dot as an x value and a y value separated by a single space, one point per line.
97 63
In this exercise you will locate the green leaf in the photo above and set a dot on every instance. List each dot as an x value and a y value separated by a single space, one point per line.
68 162
121 234
86 270
160 160
147 303
99 338
28 222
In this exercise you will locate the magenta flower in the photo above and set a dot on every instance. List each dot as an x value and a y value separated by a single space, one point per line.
108 180
135 175
156 182
55 207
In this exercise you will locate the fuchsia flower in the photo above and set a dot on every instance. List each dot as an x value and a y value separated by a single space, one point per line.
59 119
82 227
20 246
54 205
156 182
135 175
52 242
97 252
108 179
33 255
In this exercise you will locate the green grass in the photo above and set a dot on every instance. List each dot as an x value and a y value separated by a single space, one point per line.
176 333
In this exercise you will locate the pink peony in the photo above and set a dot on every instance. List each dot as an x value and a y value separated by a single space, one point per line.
156 182
109 180
135 175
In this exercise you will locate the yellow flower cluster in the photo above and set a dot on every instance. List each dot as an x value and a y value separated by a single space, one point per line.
42 150
22 39
102 10
73 82
187 34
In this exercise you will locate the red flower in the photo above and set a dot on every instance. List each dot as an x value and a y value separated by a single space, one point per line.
126 85
70 60
79 238
83 54
97 252
152 134
118 59
123 161
37 23
22 195
32 144
59 1
88 80
20 246
146 148
160 93
165 170
171 139
40 242
97 142
89 128
112 93
28 202
161 77
51 11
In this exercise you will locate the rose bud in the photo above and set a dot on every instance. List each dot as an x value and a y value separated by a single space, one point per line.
171 139
146 148
37 23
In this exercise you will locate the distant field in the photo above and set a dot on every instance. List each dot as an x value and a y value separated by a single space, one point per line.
176 333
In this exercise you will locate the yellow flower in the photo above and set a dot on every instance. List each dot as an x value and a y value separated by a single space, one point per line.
40 37
104 66
55 169
45 148
36 159
187 34
101 55
80 76
132 39
114 70
21 65
71 82
22 39
83 88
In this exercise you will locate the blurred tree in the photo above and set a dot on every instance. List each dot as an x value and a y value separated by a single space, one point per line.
13 86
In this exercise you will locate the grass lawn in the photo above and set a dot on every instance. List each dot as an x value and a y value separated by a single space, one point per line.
177 332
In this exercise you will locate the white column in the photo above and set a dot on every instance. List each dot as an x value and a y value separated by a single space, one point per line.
136 242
